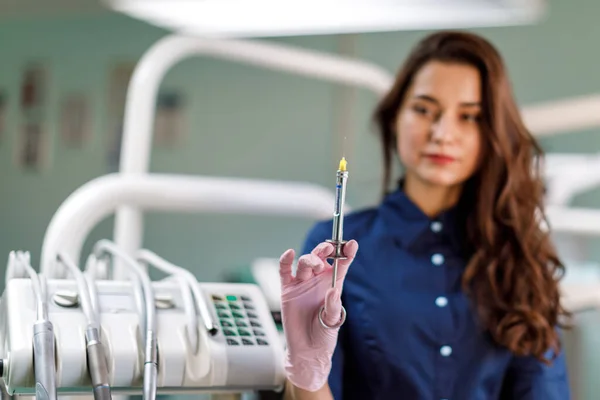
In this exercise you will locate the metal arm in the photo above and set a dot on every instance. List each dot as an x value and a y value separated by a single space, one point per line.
98 198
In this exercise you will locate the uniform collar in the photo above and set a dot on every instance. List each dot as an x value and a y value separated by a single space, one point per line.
404 221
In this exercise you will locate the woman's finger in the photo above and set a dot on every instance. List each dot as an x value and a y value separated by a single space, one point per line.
333 306
285 267
308 266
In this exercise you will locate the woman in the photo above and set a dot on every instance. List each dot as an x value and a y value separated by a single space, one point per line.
454 293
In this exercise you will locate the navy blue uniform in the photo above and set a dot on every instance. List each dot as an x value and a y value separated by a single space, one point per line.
411 333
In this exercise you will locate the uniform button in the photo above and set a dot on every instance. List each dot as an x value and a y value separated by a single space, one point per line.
436 226
441 301
437 259
445 351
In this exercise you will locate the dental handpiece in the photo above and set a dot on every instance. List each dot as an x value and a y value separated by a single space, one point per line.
97 365
96 359
150 367
44 362
44 352
338 218
4 395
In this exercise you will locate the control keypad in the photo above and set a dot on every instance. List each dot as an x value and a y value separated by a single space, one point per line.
239 320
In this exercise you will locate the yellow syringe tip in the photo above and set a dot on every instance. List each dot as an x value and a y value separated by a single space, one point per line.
343 164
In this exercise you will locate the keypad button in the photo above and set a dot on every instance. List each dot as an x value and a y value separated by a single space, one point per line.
441 301
224 315
255 324
226 323
232 342
244 332
245 298
229 332
247 342
252 315
276 316
262 342
445 351
436 226
241 323
231 297
437 259
216 297
234 307
258 333
248 306
237 315
221 306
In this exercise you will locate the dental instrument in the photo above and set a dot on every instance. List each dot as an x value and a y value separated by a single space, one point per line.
43 332
149 257
96 356
338 217
337 233
3 392
151 351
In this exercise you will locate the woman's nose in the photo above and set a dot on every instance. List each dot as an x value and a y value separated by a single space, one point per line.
443 129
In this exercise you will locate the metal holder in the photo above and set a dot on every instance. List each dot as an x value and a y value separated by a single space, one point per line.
338 254
338 324
338 247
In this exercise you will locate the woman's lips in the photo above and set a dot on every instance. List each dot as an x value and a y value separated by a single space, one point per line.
440 158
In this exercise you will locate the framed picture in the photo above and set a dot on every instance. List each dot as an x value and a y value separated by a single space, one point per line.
169 121
75 121
32 151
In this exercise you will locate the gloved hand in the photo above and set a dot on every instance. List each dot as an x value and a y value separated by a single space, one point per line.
310 346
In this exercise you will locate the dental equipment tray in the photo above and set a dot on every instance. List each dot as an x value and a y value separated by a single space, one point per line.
245 354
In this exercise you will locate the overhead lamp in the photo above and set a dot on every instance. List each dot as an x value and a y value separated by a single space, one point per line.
264 18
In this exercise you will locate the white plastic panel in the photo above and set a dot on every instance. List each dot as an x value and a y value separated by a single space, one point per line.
218 365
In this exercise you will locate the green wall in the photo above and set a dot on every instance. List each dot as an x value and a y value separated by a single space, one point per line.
247 122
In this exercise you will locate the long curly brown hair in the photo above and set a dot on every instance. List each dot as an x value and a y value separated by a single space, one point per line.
513 273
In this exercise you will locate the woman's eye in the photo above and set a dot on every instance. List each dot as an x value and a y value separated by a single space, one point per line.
421 110
471 117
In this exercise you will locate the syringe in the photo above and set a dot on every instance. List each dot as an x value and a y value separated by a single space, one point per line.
338 217
337 235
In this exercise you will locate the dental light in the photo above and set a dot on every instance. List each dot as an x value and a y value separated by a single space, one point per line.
263 18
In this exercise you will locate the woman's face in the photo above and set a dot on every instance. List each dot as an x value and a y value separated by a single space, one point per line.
439 137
